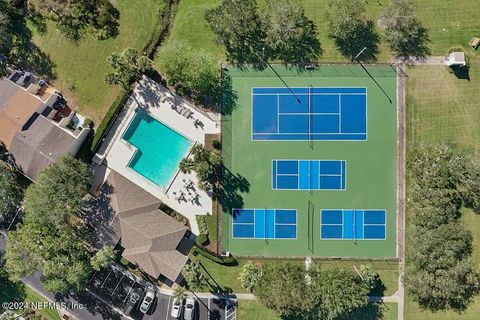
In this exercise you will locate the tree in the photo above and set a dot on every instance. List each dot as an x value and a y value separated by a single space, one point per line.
370 277
290 35
350 30
238 28
403 31
186 165
282 288
5 34
193 276
179 293
192 72
52 238
250 275
127 67
10 192
59 191
206 165
76 17
102 258
339 293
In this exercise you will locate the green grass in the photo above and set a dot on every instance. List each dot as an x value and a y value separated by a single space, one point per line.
390 311
442 108
212 229
371 174
248 310
190 25
10 291
81 67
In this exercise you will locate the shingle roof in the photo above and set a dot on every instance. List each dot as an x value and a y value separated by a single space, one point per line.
150 237
16 108
40 145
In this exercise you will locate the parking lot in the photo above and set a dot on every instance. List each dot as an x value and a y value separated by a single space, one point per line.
114 284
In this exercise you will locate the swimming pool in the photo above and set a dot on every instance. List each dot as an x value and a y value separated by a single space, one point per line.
159 148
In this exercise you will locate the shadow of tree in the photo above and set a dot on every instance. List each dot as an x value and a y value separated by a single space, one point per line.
364 35
229 96
372 311
25 54
229 189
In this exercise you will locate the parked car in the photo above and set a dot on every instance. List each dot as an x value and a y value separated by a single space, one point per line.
189 310
177 305
132 300
148 299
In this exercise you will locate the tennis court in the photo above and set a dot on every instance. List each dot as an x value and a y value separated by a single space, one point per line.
264 224
309 113
309 174
357 224
305 141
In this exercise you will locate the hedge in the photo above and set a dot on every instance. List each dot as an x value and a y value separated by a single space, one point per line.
226 261
100 131
202 224
202 238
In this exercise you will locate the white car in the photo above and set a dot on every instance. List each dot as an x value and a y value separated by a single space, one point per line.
148 299
189 311
176 308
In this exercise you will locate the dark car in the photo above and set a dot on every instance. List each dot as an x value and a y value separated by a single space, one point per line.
132 300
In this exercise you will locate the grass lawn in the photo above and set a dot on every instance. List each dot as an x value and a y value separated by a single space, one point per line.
247 310
442 108
212 230
18 292
436 15
80 68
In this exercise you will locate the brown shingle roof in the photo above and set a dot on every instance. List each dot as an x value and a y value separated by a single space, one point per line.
150 237
16 108
40 145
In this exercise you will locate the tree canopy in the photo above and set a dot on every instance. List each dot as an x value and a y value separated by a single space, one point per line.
439 273
77 17
10 192
52 237
281 31
126 67
403 31
238 28
294 292
194 73
290 36
351 30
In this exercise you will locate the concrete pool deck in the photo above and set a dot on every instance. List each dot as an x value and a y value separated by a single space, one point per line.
177 114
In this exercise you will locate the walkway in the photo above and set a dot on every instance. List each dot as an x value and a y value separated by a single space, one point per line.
431 61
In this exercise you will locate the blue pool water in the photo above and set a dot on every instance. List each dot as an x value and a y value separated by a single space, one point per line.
160 148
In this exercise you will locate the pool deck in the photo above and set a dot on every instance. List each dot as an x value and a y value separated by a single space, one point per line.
173 111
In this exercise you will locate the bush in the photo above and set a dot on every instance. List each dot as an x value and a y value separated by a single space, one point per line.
250 275
124 262
226 261
202 225
456 49
217 144
202 238
88 123
112 111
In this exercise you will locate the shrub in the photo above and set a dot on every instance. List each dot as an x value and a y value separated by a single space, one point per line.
88 123
202 225
456 49
226 261
217 144
250 275
202 238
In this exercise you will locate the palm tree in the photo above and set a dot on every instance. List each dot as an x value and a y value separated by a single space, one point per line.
179 293
186 165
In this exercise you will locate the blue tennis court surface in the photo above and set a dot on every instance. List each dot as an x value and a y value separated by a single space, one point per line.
353 224
320 114
309 174
264 224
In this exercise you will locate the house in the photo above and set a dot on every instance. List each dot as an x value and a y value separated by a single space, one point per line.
456 59
36 124
152 240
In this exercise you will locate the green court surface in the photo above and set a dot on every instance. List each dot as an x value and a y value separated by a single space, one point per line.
370 173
